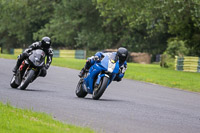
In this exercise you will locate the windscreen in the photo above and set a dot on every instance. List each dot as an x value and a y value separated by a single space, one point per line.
37 57
39 54
113 57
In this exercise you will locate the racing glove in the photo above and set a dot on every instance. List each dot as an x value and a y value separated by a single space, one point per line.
122 69
96 58
28 50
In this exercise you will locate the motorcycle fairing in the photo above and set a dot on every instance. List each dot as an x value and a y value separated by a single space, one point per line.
37 58
89 80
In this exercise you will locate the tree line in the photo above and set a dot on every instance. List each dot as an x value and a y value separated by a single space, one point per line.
139 25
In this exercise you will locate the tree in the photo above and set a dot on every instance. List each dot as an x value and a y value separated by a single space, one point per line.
21 18
180 18
75 24
139 25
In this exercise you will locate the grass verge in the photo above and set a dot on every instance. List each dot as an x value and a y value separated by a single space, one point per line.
17 120
152 73
166 77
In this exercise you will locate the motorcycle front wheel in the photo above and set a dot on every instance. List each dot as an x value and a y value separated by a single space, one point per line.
99 90
27 79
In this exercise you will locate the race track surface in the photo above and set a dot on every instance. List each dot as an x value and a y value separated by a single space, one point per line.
125 107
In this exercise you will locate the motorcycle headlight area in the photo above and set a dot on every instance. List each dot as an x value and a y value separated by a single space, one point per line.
37 62
111 66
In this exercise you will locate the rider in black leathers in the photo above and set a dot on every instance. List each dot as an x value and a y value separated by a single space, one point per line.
45 45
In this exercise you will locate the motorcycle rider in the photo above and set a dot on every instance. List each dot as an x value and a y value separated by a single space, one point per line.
122 54
45 45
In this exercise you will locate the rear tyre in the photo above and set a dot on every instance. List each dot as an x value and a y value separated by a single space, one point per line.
98 92
80 92
12 82
27 79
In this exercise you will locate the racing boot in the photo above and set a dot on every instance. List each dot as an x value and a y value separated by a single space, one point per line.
85 68
17 66
82 72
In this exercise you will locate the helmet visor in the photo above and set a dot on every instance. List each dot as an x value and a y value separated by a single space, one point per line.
46 44
122 59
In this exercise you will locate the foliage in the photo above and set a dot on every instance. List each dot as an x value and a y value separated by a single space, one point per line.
139 25
21 18
170 17
167 61
75 24
176 48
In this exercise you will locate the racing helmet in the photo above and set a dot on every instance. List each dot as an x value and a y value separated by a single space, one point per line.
122 54
46 42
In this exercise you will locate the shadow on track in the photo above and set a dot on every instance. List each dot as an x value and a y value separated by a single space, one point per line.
37 90
32 90
102 100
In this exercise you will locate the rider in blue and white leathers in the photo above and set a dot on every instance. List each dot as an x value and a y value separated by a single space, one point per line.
122 54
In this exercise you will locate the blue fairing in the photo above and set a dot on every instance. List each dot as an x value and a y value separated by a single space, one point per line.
104 63
116 70
99 70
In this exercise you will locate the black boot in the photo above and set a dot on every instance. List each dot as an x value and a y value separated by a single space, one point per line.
17 66
82 73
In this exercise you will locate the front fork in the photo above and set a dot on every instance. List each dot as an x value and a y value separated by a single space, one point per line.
99 78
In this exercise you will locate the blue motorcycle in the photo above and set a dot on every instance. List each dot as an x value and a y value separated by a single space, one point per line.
98 77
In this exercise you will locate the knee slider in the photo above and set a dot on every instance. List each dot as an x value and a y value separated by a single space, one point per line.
23 56
20 57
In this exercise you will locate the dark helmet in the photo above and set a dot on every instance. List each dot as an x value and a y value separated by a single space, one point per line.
122 54
46 42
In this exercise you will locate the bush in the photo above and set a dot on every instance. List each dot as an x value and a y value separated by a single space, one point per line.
176 47
167 61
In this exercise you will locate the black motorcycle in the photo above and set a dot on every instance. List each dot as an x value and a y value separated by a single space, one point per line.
29 70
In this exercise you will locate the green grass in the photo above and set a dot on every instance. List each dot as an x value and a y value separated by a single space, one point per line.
14 120
7 56
166 77
152 73
69 63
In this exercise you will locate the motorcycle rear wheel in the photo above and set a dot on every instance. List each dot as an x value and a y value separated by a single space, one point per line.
80 92
12 82
98 92
28 78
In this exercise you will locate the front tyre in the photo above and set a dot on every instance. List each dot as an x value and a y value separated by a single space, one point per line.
27 79
98 92
12 82
80 92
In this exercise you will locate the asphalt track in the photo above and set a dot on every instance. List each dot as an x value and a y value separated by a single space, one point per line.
126 107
